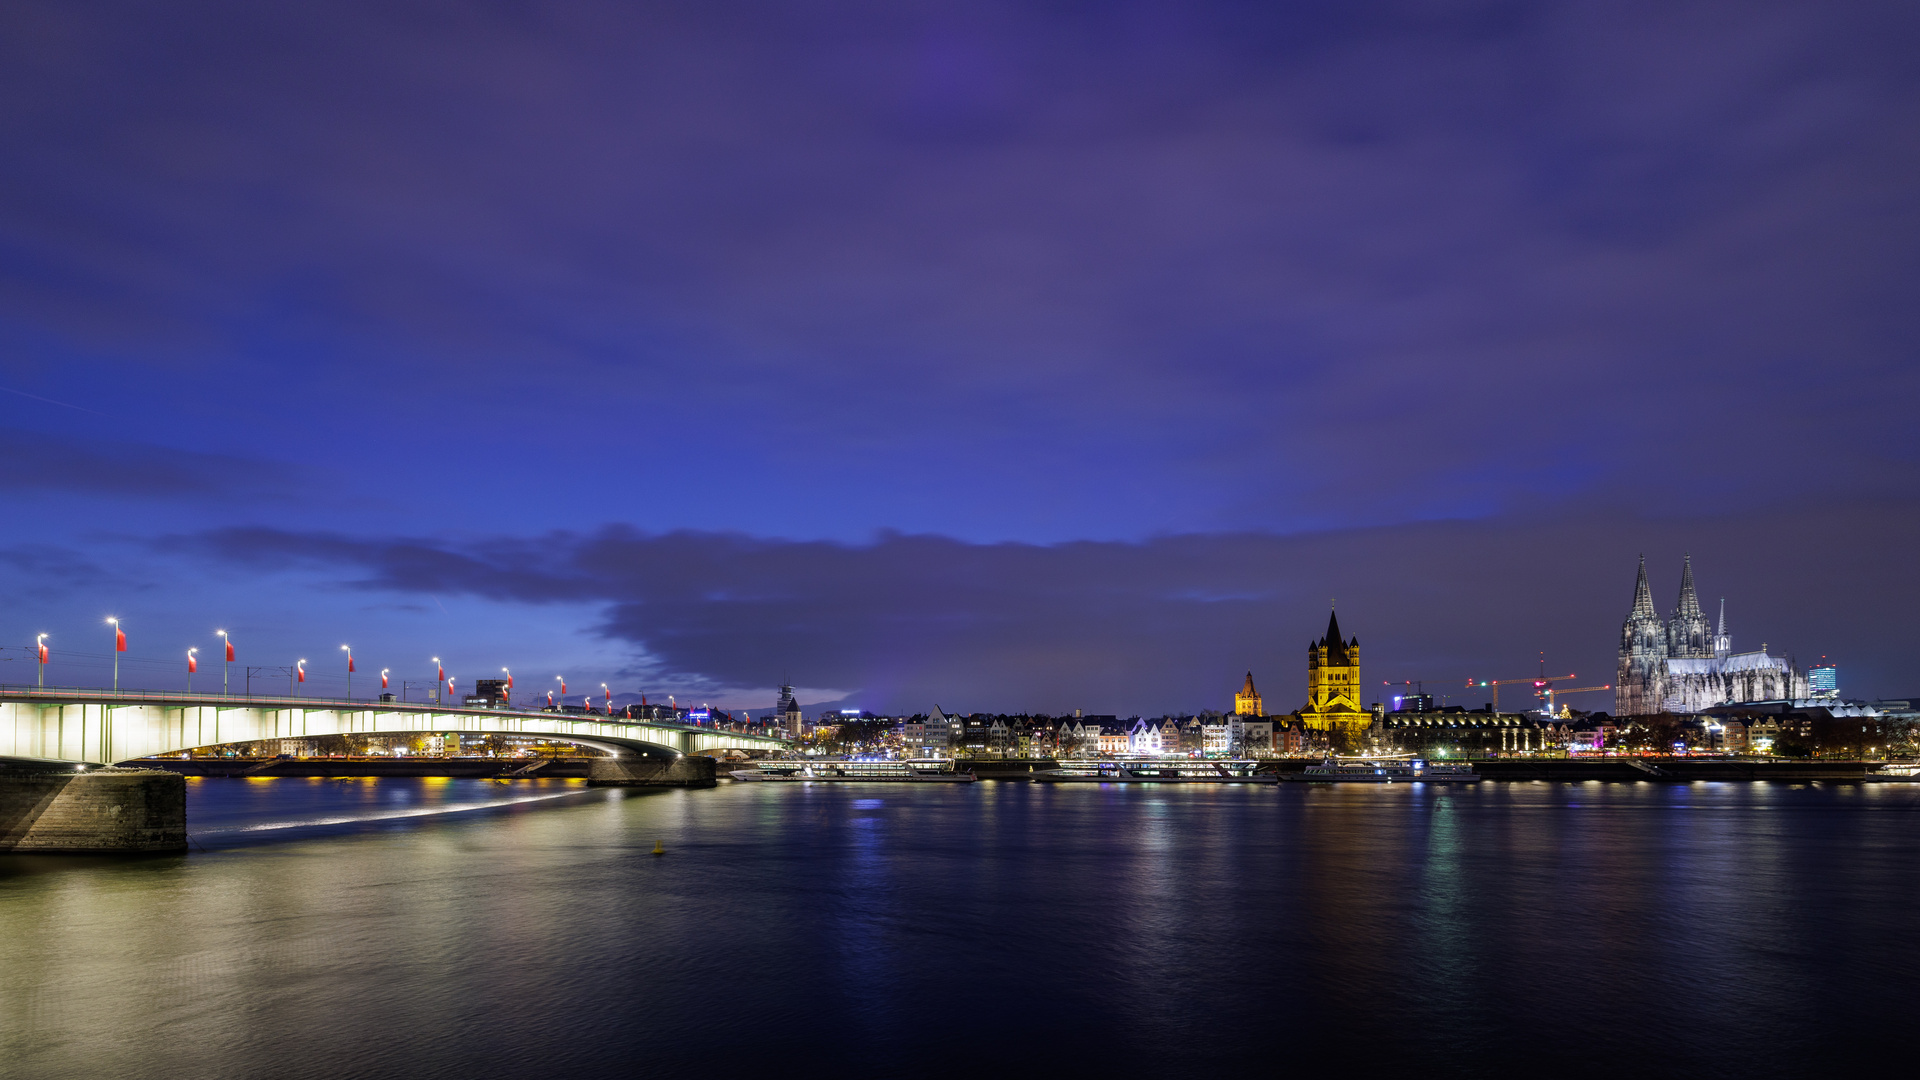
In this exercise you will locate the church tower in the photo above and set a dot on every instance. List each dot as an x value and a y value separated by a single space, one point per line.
1247 701
1333 681
1640 688
1688 635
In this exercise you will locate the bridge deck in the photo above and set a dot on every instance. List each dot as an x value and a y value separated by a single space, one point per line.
105 726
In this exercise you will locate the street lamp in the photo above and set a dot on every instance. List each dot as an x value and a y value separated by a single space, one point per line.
119 646
348 649
40 656
225 672
193 665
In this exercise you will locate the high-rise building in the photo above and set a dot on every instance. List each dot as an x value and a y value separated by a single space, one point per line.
1823 682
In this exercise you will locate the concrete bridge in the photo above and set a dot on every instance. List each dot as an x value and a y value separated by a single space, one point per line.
56 795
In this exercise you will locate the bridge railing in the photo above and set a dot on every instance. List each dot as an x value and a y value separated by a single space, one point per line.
94 694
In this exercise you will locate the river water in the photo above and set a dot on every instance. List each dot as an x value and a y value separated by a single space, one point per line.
448 928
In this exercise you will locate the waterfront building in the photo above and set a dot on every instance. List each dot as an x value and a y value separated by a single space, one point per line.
1247 701
1678 666
1333 683
1455 732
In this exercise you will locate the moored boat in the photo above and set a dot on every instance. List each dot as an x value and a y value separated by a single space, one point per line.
1404 771
1156 771
913 771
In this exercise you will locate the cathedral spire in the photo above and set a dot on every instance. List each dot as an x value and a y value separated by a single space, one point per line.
1723 620
1643 593
1689 600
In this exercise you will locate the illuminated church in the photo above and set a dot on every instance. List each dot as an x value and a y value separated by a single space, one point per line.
1333 682
1679 666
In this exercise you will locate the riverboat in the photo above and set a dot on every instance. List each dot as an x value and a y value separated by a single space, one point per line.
1163 771
912 771
1385 772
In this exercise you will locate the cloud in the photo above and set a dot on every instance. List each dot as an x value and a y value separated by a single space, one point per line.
1169 623
35 461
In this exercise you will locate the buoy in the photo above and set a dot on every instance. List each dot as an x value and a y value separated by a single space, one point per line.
659 848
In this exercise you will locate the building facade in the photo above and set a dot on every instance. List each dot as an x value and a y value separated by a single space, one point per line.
1247 701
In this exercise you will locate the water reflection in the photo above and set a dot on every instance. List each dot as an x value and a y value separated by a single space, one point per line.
456 928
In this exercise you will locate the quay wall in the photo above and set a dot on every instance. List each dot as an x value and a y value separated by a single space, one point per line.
98 812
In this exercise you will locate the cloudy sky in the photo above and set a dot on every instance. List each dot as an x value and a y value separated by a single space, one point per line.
1025 356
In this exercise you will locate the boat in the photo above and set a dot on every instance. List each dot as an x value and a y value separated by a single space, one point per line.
910 771
1156 771
1402 771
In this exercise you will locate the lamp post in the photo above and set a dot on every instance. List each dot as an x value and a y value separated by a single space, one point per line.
119 646
40 659
193 665
226 672
348 649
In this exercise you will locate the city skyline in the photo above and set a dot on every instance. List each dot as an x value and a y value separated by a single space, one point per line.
1035 359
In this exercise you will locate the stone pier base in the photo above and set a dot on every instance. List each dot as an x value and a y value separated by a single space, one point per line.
688 770
102 811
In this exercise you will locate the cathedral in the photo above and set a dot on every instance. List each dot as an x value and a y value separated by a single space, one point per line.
1681 665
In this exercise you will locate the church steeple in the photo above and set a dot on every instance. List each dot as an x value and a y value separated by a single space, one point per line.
1689 599
1688 635
1643 593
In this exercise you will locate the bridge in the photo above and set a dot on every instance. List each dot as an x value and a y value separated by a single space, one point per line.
56 795
103 727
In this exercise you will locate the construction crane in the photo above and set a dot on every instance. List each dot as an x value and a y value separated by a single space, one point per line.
1552 693
1542 685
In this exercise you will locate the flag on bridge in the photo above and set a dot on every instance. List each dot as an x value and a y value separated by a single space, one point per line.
193 665
43 654
350 668
119 640
300 671
229 650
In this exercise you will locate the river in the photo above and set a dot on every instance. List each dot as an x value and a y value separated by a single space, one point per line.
450 928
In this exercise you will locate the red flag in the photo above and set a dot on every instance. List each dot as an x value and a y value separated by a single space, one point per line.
192 664
229 650
509 680
609 700
302 673
350 663
549 699
383 680
563 688
442 674
449 687
43 654
119 640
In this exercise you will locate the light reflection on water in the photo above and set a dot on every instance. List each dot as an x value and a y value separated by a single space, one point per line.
468 928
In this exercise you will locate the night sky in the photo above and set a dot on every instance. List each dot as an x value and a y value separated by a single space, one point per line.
1024 357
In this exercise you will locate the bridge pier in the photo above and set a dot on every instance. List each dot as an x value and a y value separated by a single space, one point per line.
99 811
628 770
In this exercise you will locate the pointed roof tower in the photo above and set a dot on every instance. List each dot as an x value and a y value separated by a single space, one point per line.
1249 691
1336 645
1643 594
1689 600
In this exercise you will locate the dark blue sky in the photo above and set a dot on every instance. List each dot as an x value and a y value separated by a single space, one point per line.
1006 355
